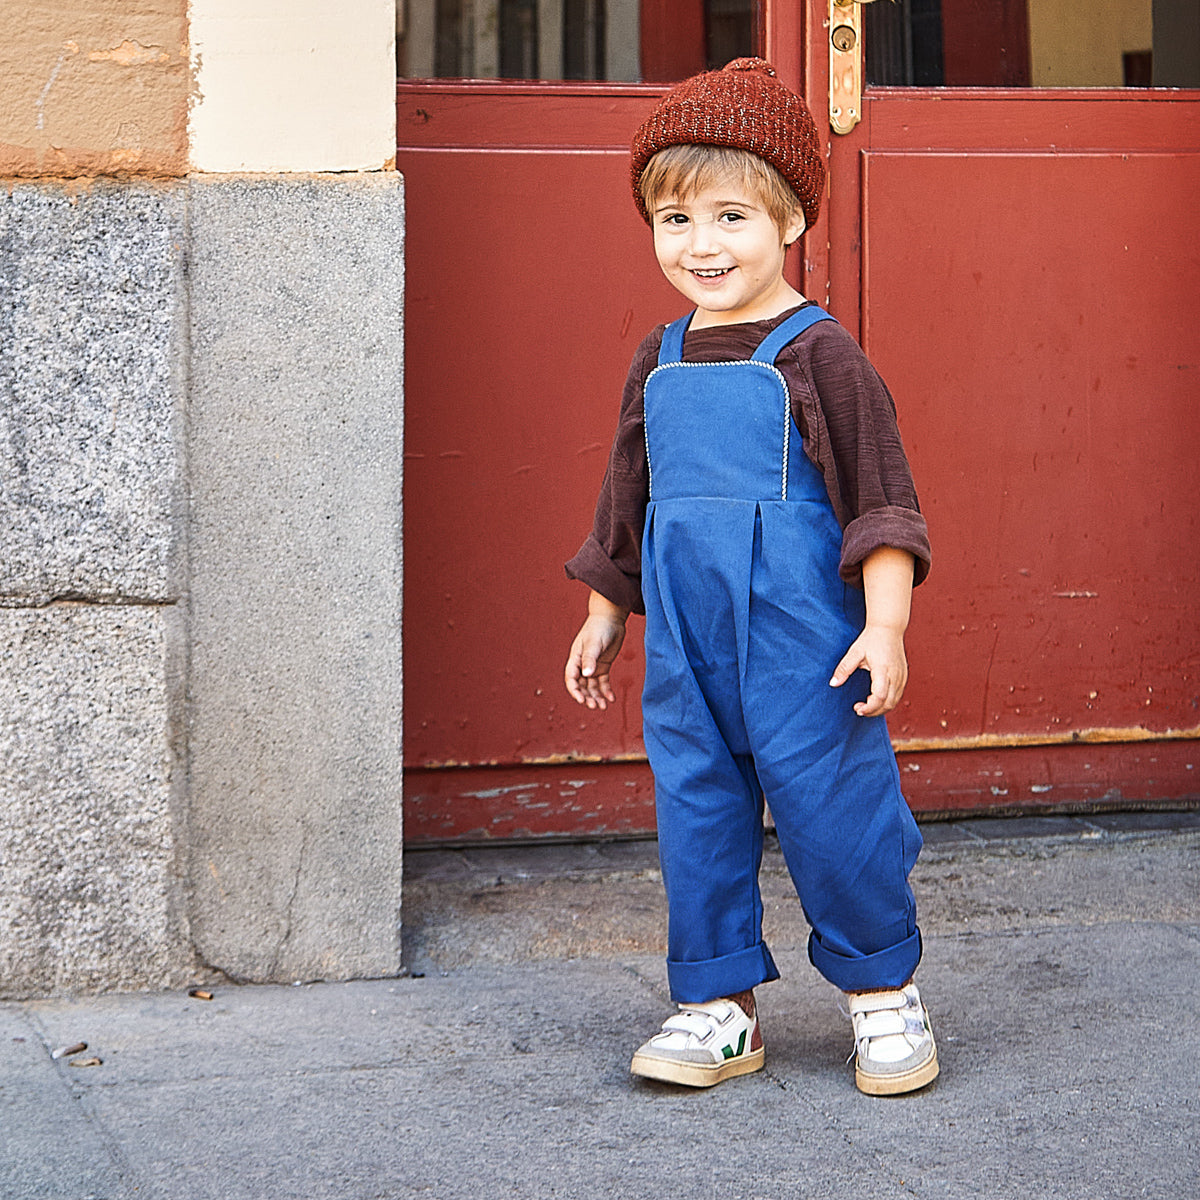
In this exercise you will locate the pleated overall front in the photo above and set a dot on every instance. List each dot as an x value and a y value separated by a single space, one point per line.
746 619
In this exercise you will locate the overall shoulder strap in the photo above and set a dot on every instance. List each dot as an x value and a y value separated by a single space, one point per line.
769 348
671 350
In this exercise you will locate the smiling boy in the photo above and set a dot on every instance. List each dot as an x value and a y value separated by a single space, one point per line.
759 509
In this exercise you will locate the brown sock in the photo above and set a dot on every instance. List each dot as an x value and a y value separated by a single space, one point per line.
873 991
744 1001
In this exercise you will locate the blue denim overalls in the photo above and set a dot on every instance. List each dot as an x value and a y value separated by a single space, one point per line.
746 618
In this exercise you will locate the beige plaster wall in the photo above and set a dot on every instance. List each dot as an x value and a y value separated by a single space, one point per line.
161 87
293 85
93 87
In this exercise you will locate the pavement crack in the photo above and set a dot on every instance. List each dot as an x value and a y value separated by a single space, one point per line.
79 1097
655 989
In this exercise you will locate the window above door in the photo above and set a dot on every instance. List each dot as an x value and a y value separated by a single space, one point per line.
628 41
1032 43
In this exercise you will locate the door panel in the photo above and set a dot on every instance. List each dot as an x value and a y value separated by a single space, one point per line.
527 292
1015 264
523 361
1049 384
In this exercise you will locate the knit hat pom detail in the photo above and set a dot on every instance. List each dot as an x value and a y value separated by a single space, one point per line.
750 64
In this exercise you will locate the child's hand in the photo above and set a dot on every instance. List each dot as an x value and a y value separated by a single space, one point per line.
887 582
593 651
880 649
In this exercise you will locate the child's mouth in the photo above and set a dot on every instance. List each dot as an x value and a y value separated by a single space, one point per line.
712 273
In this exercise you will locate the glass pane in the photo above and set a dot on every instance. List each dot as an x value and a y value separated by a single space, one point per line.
1033 43
620 40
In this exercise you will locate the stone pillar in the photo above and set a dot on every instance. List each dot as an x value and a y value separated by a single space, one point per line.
200 467
295 466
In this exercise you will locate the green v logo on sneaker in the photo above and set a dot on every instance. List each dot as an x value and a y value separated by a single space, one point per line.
730 1052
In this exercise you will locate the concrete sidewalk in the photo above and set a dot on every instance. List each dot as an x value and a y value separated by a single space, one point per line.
1062 970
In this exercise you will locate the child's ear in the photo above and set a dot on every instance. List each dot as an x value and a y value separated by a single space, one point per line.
794 229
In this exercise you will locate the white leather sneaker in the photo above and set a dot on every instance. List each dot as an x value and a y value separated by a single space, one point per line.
702 1044
893 1041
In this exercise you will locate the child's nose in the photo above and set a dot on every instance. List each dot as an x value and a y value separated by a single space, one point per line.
704 237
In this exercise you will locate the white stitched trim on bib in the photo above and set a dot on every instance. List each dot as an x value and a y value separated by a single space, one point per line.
787 412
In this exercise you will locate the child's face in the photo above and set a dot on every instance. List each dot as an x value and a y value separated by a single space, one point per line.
722 250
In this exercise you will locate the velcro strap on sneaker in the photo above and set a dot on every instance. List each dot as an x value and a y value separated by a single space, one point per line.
880 1024
697 1024
870 1002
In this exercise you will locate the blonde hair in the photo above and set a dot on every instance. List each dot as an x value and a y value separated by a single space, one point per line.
686 169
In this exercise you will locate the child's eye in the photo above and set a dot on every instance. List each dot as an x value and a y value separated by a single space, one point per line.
731 218
675 219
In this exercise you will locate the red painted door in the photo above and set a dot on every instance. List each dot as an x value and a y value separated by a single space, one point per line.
526 293
1017 262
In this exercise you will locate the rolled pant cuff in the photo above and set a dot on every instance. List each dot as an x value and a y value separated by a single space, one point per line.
892 967
696 982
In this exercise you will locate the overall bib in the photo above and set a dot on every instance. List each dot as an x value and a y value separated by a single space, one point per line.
746 619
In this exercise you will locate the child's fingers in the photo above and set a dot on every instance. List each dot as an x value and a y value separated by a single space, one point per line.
876 704
571 677
849 664
585 691
587 671
603 691
886 689
595 670
575 675
590 668
889 672
597 692
584 685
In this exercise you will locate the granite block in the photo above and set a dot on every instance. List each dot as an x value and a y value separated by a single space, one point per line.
91 325
90 894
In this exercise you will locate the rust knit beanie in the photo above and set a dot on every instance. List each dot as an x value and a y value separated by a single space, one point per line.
743 106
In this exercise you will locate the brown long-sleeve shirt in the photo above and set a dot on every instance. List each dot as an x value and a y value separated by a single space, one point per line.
847 420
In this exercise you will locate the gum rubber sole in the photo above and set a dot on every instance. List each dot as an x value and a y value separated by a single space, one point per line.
670 1070
896 1085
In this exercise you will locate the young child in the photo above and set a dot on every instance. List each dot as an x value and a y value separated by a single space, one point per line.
759 509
